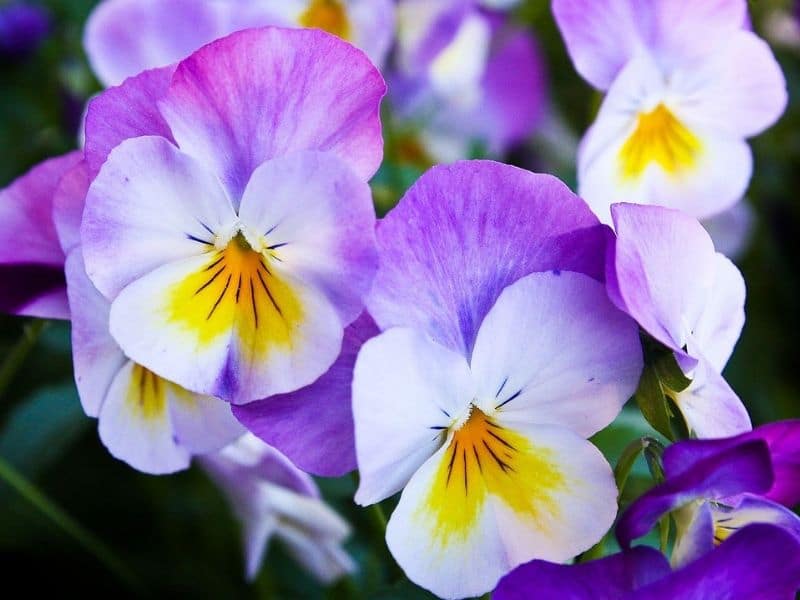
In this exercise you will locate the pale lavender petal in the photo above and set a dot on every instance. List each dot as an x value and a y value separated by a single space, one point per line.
314 425
68 203
465 232
266 92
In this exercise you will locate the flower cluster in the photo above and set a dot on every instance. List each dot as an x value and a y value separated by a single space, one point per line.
235 301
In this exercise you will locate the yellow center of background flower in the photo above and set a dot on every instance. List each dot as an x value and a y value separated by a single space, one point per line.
662 139
147 394
485 459
328 15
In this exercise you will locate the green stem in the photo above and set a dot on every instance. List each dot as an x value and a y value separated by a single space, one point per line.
592 553
59 517
378 519
16 357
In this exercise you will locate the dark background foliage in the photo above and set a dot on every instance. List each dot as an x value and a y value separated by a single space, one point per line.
175 534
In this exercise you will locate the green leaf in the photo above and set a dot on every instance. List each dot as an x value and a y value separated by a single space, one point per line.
669 372
653 403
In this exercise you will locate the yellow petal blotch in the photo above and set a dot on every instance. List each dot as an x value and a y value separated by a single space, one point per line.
237 292
662 139
147 394
484 459
328 15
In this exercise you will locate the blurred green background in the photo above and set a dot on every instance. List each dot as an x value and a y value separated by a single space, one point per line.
176 533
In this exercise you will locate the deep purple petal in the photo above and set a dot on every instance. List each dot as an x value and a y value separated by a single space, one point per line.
744 468
22 28
314 425
127 111
463 233
609 578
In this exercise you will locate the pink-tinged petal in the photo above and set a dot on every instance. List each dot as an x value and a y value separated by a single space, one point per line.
553 350
317 217
463 233
127 111
314 425
96 356
201 424
258 94
663 270
31 259
68 203
739 91
125 37
151 204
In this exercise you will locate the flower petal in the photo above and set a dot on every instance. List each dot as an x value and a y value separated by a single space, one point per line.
314 425
152 204
553 350
406 391
463 233
745 468
470 515
68 202
318 217
201 424
262 93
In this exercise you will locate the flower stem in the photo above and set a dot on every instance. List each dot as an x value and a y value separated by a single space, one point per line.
16 357
70 526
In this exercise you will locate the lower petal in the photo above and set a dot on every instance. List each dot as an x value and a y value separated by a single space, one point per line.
201 424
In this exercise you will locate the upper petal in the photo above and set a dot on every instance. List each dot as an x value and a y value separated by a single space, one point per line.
463 233
262 93
554 350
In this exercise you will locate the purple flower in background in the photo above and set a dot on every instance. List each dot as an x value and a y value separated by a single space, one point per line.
126 37
493 369
686 85
664 272
716 487
22 28
465 74
274 499
222 292
761 562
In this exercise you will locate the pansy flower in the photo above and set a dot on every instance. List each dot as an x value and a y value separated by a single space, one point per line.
465 74
235 188
761 562
664 272
274 499
500 355
686 85
126 37
716 487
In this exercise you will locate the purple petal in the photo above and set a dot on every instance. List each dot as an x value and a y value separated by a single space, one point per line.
22 28
314 425
31 259
463 233
609 578
262 93
127 111
745 468
68 203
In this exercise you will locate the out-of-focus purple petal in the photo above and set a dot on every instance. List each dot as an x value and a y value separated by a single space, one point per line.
608 578
314 425
745 468
127 111
463 233
68 203
22 28
732 230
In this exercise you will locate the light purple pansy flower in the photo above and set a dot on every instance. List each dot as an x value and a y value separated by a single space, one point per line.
274 499
289 115
31 259
465 74
500 354
686 85
716 487
664 272
126 37
761 562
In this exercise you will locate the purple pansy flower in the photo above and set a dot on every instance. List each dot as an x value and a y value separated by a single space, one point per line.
466 74
126 37
664 272
687 84
223 292
716 487
274 499
22 27
500 355
761 562
31 259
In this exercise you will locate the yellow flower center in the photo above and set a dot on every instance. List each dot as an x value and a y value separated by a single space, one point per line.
328 15
147 394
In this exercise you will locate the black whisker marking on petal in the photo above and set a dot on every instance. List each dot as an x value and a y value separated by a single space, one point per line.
499 439
198 240
253 301
210 281
502 464
477 458
438 427
507 400
221 296
269 294
271 229
206 227
466 485
500 389
454 451
446 414
261 265
215 263
276 246
238 288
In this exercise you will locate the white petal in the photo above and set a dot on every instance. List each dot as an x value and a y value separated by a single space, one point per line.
200 423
